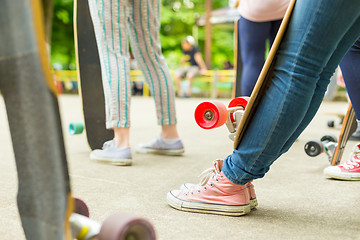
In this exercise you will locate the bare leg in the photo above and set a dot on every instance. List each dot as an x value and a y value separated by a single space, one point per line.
169 131
122 137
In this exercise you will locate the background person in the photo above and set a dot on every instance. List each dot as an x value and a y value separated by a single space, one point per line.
260 21
191 64
318 36
115 23
350 68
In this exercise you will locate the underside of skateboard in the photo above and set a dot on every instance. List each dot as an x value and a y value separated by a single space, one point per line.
45 203
329 144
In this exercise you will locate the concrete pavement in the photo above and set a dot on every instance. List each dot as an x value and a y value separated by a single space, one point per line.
295 200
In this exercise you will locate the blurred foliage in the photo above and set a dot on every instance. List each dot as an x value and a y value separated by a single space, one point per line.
178 20
62 38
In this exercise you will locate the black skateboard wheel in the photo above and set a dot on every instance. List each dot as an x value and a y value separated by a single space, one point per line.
121 226
328 138
313 148
76 128
81 208
331 123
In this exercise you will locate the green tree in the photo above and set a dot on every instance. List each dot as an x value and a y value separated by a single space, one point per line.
62 40
178 20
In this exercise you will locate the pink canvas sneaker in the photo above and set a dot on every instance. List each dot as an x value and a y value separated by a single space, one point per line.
215 194
252 195
349 170
249 186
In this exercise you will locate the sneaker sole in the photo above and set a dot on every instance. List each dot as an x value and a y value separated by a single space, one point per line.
118 162
198 207
176 152
342 176
253 203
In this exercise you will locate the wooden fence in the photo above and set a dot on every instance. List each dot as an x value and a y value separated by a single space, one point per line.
215 83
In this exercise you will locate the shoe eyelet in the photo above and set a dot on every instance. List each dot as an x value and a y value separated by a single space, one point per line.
198 191
217 180
192 193
211 185
205 188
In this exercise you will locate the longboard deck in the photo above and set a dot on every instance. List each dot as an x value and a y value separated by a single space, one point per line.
349 126
89 77
31 102
264 78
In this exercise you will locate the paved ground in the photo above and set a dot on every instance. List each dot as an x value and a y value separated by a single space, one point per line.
295 200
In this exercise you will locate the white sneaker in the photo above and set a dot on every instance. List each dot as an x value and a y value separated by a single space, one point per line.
112 154
162 146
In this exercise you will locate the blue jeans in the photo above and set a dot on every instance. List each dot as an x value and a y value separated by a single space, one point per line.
350 67
319 35
252 37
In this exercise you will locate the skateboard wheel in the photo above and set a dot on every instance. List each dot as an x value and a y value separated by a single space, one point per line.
328 138
121 226
331 123
313 148
210 114
76 128
238 102
81 207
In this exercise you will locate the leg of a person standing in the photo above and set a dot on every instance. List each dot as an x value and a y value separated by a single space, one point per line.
144 28
350 67
252 37
109 18
350 169
305 64
275 25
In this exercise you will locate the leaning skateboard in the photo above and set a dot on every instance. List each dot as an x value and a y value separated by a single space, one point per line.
45 203
334 149
240 124
89 77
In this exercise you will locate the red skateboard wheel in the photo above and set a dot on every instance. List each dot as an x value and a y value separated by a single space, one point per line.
238 102
210 114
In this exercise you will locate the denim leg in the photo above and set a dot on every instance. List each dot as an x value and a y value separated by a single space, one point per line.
324 81
319 34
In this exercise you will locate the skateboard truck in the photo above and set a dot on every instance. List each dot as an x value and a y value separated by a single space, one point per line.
213 114
327 144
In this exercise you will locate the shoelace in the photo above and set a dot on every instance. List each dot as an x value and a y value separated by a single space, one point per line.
205 177
354 159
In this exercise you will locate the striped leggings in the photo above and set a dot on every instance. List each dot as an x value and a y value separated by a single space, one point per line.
115 23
